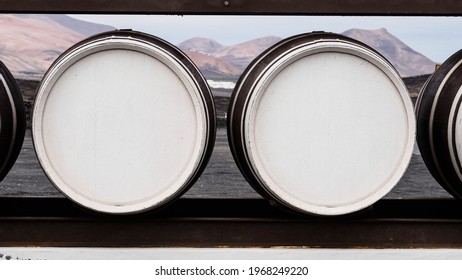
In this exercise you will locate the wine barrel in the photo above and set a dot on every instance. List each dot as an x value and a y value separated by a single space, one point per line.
321 124
123 122
439 131
12 121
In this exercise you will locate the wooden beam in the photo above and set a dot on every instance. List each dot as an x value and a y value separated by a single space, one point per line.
238 7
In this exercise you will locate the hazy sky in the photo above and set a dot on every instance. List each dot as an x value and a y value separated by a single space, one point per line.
435 37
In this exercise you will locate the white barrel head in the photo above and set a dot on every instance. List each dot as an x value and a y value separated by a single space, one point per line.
123 123
322 124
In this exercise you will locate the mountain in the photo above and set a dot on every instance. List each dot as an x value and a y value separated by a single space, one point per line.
406 61
214 59
73 25
30 43
241 55
212 67
202 45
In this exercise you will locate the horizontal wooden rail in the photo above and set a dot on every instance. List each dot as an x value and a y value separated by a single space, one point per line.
238 7
233 223
56 222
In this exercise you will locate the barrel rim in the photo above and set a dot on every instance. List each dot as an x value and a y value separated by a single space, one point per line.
437 101
243 96
238 97
12 120
170 56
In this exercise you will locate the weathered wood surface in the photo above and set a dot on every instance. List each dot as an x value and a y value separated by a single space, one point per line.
238 7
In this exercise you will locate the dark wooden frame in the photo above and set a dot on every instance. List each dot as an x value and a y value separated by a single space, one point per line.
238 7
233 223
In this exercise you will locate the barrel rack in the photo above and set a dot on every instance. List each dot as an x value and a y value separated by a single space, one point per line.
56 222
200 223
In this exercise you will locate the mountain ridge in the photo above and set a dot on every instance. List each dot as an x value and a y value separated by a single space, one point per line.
201 45
30 43
406 61
240 55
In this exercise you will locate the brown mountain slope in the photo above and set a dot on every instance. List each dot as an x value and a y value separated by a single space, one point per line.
241 55
406 61
203 45
30 43
211 66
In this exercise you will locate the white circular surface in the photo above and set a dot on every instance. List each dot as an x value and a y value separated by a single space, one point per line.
329 133
119 131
